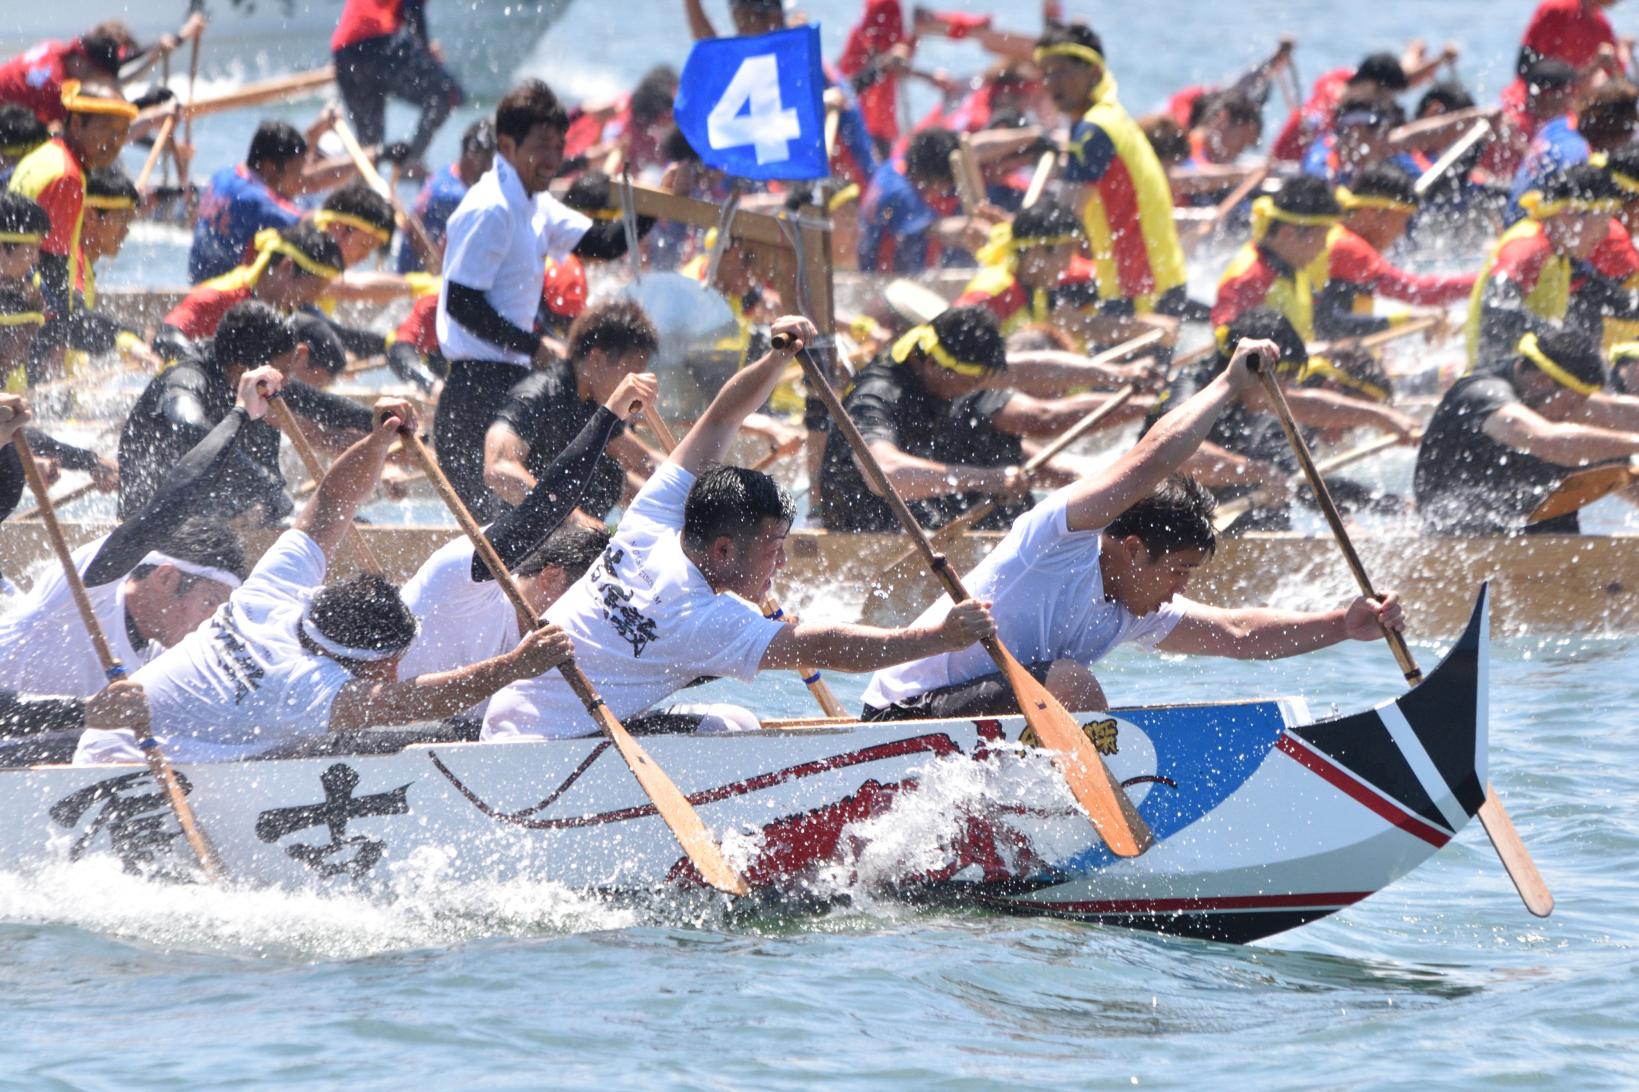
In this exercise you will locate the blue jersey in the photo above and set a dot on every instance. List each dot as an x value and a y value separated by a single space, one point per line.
234 207
435 204
1556 147
895 222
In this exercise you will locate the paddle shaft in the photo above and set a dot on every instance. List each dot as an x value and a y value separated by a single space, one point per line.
57 502
669 802
1377 340
1045 166
187 124
1328 508
166 130
1235 196
287 424
158 765
431 256
770 606
1448 159
1118 823
1233 510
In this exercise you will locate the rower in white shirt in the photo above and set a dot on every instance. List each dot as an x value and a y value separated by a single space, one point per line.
671 600
1105 561
289 657
465 617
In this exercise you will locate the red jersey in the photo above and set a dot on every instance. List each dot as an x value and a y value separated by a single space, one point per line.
1569 31
52 176
1616 257
419 327
1314 117
35 80
1356 262
880 28
363 19
201 310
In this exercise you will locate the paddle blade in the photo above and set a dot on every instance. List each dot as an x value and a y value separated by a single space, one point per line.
1516 859
1091 782
1583 488
672 806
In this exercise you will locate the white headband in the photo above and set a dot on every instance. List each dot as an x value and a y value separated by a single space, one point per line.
220 576
343 652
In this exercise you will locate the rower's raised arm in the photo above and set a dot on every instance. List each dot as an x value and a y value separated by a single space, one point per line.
708 441
353 476
1104 496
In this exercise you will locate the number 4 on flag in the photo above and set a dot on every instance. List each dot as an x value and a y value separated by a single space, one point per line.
750 112
752 107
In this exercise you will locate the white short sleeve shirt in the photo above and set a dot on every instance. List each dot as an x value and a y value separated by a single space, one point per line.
463 621
241 683
498 241
1047 595
644 621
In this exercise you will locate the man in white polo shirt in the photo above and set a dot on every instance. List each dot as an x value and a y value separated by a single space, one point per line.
1103 562
672 599
499 239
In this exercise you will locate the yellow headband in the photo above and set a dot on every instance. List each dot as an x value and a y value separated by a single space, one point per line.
602 214
325 217
23 318
12 151
1003 246
95 104
270 243
926 338
1540 208
1350 201
1265 212
848 193
1623 351
1532 351
98 201
22 237
1084 54
1318 367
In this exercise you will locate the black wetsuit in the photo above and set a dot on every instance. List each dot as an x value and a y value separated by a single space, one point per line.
1469 484
888 402
547 413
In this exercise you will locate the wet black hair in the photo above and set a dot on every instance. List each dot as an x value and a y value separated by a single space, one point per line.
1045 219
732 501
928 155
1072 34
107 45
653 95
358 199
479 139
1608 118
526 106
14 301
1584 182
572 547
22 215
110 182
675 148
313 244
1176 516
1625 160
1382 69
1167 139
1307 195
616 328
1548 74
1264 323
1385 180
276 143
251 334
1574 351
20 130
590 191
364 612
1236 106
1448 93
971 334
203 541
324 347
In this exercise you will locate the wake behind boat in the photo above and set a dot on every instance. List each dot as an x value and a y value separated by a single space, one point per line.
1265 818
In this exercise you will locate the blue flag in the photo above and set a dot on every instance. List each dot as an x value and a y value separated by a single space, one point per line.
754 107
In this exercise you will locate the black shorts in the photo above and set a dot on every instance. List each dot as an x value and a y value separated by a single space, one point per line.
986 696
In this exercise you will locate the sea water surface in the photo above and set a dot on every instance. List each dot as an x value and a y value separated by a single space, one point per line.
1442 979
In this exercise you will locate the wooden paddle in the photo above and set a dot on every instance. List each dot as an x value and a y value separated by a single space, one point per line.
1090 781
669 802
250 94
1583 487
770 606
184 163
1227 513
1045 166
1377 340
1511 851
166 131
158 765
1223 208
908 565
287 424
431 256
1448 159
57 502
